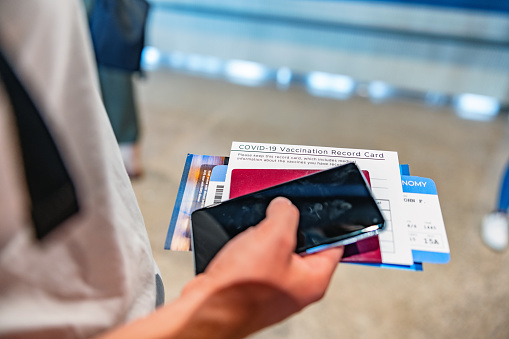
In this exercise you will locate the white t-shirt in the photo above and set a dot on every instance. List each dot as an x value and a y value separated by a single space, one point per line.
96 270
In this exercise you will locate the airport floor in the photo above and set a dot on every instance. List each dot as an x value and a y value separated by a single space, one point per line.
466 298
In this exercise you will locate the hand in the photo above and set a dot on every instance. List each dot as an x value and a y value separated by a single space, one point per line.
255 281
259 275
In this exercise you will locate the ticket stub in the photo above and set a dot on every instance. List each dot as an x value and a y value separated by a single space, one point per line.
216 185
426 229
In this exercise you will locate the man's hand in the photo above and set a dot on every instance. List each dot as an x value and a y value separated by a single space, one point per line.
263 276
256 280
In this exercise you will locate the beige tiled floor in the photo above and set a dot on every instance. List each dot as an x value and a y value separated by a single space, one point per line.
467 298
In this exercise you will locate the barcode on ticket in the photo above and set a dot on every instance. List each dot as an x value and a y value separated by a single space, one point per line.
219 193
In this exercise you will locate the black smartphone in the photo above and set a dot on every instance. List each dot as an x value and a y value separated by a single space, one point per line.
336 208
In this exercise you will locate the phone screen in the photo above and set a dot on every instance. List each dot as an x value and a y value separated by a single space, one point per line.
336 207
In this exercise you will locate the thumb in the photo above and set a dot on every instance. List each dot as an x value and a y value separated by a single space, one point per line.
281 220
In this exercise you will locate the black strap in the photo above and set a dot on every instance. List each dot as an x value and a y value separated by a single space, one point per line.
52 192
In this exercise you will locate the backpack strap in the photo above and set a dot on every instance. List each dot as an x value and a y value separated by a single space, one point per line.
51 190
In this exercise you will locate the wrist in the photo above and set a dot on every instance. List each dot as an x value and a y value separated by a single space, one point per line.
217 311
235 310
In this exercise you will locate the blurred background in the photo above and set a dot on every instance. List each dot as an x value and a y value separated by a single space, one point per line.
428 79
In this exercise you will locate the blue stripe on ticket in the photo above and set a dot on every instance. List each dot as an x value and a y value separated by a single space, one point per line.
413 184
219 173
431 257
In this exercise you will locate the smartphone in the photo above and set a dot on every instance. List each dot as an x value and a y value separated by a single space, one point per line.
336 208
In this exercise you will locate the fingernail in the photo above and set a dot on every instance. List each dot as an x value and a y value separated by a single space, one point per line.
280 200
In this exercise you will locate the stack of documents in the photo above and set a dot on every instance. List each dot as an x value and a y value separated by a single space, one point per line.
414 233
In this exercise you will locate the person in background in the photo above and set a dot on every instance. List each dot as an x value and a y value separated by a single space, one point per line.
495 225
118 94
119 97
92 274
